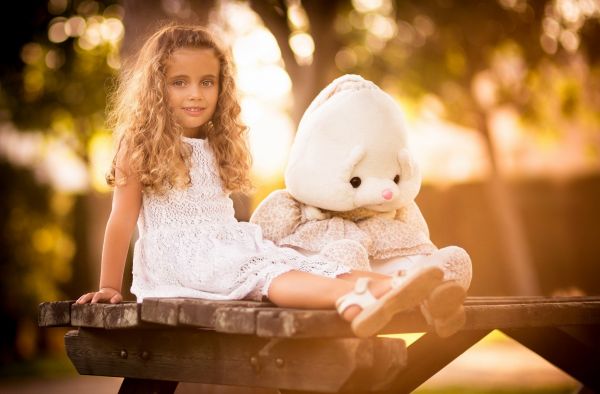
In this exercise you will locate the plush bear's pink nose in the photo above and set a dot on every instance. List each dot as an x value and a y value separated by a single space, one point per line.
387 194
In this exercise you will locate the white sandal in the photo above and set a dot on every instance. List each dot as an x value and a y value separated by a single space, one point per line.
444 310
416 285
406 292
374 312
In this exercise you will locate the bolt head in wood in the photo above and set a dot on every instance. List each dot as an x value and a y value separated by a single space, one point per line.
255 363
123 354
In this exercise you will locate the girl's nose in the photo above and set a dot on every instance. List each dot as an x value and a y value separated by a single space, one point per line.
387 194
196 93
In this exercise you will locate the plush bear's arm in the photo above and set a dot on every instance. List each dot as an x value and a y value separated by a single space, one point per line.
313 213
411 215
278 215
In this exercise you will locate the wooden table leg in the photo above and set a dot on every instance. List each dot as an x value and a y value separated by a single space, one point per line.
429 354
568 353
147 386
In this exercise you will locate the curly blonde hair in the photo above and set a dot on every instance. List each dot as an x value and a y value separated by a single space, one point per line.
149 139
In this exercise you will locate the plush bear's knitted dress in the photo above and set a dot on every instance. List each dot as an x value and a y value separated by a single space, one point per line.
190 244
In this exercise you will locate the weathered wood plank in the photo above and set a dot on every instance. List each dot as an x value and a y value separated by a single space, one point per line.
532 315
241 320
109 316
161 310
201 356
493 300
298 323
54 314
268 321
87 315
301 323
122 315
201 313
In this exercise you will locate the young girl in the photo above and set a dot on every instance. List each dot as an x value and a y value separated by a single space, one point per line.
181 151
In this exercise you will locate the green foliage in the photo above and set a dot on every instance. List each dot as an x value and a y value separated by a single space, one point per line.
36 245
442 47
61 87
58 86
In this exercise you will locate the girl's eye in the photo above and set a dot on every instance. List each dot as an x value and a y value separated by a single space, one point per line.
355 182
208 83
397 179
178 83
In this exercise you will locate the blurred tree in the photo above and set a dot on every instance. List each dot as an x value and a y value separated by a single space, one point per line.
59 80
55 73
474 60
36 249
143 17
313 22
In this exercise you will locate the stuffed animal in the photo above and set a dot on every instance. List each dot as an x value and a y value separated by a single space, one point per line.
351 182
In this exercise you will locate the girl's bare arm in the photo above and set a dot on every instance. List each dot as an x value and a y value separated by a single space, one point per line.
126 203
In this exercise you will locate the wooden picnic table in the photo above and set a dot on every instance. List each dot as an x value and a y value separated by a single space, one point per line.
163 341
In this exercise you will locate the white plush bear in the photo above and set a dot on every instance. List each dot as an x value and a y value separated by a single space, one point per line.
351 183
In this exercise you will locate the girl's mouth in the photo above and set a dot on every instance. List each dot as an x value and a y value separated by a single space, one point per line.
194 111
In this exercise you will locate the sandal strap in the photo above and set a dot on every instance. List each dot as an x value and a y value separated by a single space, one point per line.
361 296
398 278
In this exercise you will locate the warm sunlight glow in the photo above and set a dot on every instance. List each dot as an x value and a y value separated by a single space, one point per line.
56 31
54 59
51 160
113 60
62 168
257 47
31 53
346 59
297 15
265 89
75 26
270 82
93 34
100 151
20 149
112 30
381 26
270 138
367 5
448 153
303 46
57 7
484 89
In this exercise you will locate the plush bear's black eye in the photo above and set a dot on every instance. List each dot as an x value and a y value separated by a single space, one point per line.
355 182
397 179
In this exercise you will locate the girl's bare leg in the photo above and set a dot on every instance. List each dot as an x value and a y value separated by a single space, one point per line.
296 289
354 275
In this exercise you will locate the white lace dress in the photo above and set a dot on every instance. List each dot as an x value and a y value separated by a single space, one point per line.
190 244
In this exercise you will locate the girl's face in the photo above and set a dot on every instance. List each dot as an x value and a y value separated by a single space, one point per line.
192 77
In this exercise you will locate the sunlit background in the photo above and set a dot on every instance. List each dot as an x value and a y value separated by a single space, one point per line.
502 100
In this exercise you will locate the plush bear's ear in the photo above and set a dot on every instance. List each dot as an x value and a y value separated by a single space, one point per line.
410 177
407 163
356 155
